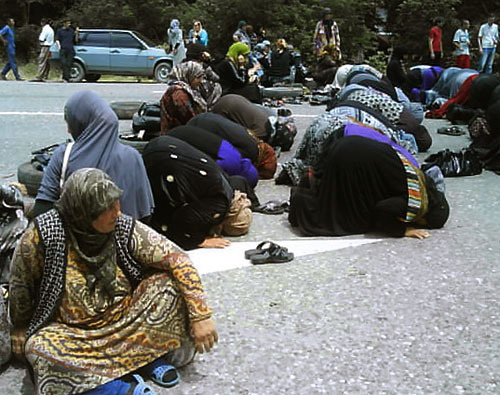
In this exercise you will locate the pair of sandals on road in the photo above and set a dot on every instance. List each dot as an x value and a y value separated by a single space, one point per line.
268 252
451 131
158 371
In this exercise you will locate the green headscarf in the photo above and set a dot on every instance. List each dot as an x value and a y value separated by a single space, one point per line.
237 49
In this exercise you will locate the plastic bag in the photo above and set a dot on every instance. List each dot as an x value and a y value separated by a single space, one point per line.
455 164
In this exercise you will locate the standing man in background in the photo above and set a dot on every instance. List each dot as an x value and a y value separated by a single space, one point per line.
487 40
66 38
461 42
7 37
46 40
435 42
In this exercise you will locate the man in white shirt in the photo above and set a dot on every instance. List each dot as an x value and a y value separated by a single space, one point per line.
46 40
487 40
461 42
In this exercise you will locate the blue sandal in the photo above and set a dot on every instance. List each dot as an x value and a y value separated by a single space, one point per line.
163 374
141 387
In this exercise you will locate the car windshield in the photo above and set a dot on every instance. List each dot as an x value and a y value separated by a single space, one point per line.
148 42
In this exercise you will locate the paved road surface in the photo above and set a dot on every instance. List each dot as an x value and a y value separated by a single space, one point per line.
363 314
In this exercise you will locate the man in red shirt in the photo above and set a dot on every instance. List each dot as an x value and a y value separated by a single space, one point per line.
435 43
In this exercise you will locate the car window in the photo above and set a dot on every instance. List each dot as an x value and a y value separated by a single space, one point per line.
94 39
124 40
145 39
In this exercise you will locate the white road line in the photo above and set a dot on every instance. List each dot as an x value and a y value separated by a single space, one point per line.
208 260
30 113
304 116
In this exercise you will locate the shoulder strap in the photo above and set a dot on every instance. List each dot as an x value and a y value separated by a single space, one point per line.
64 167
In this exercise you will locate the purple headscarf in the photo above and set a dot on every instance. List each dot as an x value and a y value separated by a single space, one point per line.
94 127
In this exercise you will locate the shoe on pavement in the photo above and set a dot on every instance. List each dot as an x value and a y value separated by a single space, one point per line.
19 79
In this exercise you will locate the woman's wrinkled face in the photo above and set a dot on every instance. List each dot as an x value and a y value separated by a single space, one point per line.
105 223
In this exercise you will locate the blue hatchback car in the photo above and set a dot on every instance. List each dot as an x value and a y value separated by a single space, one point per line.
117 52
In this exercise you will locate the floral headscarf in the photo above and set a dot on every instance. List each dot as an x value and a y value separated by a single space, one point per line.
183 74
174 25
237 49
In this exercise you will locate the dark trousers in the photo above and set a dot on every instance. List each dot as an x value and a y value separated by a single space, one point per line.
66 57
11 65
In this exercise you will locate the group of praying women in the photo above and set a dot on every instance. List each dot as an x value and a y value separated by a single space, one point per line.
99 299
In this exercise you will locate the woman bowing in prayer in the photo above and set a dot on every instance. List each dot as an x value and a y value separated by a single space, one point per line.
96 295
182 100
364 186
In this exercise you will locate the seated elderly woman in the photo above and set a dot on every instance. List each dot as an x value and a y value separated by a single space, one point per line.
182 100
210 88
235 74
94 128
222 151
361 186
195 201
95 296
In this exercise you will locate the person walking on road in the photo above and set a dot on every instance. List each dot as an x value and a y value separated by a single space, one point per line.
46 40
66 38
7 37
462 42
487 40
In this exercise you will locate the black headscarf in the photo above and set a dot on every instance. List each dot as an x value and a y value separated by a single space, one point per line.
438 209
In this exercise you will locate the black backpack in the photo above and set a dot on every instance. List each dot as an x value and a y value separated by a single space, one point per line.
148 118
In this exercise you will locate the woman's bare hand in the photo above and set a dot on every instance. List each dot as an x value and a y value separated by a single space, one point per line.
416 233
205 335
214 242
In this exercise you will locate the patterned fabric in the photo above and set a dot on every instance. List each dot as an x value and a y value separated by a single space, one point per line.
5 348
380 102
414 189
183 75
322 37
309 150
177 108
53 238
84 347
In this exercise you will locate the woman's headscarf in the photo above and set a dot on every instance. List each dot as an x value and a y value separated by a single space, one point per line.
236 50
174 25
438 209
87 194
94 127
183 74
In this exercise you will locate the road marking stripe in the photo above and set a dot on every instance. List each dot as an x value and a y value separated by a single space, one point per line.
30 113
208 260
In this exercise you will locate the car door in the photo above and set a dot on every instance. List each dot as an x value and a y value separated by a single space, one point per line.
126 54
93 49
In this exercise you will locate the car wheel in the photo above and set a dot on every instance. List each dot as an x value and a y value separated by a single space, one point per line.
31 177
125 109
162 70
92 77
77 73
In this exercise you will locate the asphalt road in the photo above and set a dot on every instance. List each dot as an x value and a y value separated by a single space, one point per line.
364 315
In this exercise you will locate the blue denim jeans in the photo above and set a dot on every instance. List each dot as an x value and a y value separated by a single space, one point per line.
486 60
11 65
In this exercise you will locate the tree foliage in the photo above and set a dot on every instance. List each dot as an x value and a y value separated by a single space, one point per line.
294 20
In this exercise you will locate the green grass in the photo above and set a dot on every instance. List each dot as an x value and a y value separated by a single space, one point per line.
29 71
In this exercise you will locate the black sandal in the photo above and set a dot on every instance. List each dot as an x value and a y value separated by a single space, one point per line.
273 254
261 247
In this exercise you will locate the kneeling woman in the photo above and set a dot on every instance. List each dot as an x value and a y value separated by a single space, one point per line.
195 202
98 295
365 186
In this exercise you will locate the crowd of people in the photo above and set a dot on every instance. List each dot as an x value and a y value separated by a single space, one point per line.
102 293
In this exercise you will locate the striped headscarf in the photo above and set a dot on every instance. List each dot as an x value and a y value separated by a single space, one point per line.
183 74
